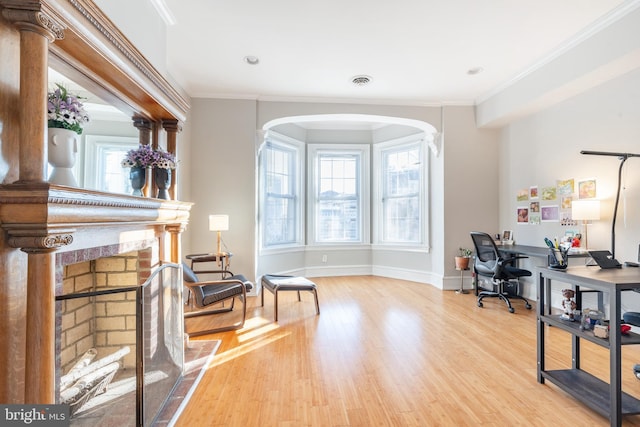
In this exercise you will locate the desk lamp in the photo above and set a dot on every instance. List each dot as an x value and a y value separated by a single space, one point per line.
585 211
219 223
623 158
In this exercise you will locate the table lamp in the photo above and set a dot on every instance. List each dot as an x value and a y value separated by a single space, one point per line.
585 211
219 223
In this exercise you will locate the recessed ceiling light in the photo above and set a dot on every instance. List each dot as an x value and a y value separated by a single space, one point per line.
475 70
251 60
361 80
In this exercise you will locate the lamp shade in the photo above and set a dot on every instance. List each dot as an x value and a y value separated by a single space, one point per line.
585 210
218 222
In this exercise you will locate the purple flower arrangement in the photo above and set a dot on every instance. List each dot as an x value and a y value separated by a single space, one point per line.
144 156
65 111
165 160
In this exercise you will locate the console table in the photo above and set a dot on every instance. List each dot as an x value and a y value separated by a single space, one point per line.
608 399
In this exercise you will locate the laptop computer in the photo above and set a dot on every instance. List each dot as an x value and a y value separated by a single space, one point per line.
605 259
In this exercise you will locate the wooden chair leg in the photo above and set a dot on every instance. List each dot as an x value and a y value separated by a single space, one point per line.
315 296
275 305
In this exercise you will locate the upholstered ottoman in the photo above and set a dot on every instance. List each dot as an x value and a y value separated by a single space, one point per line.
276 283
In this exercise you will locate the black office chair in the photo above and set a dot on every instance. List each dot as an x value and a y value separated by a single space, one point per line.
502 271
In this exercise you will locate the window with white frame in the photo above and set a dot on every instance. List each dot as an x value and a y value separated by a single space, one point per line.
103 169
281 192
339 188
400 192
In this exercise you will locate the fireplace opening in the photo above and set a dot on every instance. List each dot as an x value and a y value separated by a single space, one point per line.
119 343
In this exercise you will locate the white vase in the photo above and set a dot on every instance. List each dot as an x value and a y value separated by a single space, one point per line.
62 148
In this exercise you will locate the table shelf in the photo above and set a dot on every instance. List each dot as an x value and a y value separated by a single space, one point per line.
630 338
590 390
606 398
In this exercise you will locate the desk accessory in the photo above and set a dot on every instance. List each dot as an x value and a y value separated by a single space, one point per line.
605 259
559 258
568 305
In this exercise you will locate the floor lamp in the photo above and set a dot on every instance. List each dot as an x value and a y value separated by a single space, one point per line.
585 211
623 158
219 223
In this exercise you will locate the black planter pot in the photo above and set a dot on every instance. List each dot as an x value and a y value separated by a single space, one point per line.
138 177
162 179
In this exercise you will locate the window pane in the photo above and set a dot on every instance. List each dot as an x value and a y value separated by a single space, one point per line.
112 176
338 220
402 175
103 169
402 220
338 212
279 221
279 216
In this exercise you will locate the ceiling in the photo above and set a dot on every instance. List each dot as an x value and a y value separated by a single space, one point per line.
417 52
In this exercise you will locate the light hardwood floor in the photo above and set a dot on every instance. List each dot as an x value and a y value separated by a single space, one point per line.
387 352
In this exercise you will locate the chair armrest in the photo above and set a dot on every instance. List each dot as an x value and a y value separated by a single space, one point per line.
224 273
511 260
220 282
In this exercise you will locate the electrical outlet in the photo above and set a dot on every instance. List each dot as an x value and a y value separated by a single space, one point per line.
324 258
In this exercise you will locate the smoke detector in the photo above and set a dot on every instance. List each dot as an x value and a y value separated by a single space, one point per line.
361 80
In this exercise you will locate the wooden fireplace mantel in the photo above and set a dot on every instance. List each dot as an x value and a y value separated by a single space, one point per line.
43 219
42 216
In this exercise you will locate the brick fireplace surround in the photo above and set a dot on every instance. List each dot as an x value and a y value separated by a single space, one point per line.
149 331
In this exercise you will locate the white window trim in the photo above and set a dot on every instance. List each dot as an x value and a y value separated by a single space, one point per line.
299 146
377 211
364 151
93 144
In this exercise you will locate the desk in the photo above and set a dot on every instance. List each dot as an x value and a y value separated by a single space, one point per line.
605 398
222 259
537 251
513 251
530 251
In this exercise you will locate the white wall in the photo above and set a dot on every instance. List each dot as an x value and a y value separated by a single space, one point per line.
545 147
141 24
222 178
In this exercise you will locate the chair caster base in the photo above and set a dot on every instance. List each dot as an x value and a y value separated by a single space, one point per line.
512 310
479 304
527 306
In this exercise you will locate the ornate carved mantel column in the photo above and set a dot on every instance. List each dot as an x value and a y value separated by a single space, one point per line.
172 127
145 127
174 231
40 353
37 29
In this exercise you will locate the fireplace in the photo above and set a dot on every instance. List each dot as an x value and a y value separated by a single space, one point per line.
85 235
119 335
